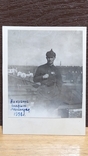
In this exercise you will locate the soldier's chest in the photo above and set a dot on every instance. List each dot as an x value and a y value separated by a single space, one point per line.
49 70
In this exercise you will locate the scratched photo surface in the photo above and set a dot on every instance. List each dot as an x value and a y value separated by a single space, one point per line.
58 95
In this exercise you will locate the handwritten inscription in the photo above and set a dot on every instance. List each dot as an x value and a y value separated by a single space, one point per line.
19 107
18 101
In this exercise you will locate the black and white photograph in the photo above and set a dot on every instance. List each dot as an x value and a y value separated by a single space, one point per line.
45 72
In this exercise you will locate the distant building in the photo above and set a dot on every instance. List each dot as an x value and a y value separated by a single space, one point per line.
72 74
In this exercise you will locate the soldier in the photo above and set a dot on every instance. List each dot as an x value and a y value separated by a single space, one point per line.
50 81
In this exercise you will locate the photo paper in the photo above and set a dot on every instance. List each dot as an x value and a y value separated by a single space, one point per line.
44 80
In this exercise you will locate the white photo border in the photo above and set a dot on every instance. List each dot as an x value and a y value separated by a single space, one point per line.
65 126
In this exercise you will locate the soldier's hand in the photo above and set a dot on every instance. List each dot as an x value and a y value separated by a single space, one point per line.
45 76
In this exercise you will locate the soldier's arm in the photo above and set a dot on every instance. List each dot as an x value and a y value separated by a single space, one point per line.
38 77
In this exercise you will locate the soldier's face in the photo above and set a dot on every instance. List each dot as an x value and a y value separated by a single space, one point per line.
50 60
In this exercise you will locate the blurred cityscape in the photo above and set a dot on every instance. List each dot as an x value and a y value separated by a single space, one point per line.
70 74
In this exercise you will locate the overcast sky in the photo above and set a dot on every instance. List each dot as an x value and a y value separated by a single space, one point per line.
29 47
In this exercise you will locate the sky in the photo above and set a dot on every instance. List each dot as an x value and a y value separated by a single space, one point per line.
29 47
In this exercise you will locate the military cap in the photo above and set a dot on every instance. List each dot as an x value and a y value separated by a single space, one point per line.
51 53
